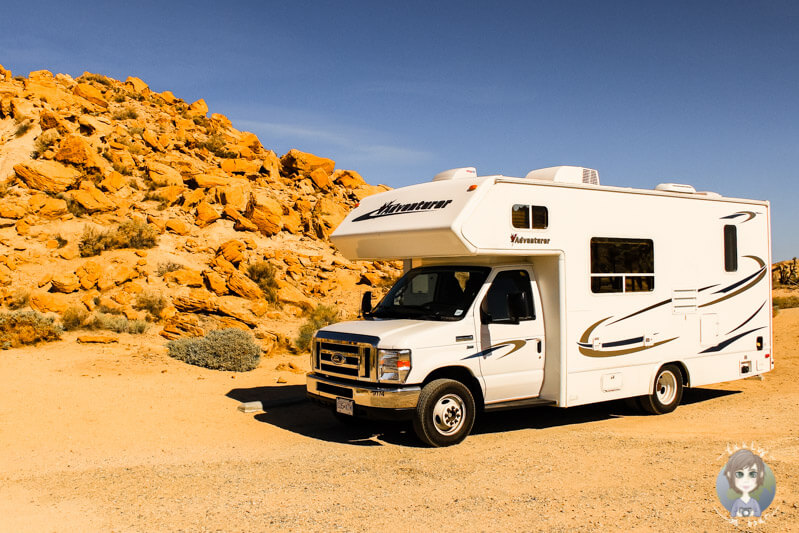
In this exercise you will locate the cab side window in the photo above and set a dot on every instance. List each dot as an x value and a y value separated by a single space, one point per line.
494 307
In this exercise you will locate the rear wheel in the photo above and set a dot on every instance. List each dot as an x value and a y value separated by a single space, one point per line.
667 391
445 413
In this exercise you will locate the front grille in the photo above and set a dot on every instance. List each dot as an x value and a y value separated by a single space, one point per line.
345 358
332 389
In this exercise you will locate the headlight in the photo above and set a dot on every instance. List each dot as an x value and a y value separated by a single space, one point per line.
393 365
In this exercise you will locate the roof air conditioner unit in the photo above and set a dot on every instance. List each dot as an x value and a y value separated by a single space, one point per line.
565 174
675 187
456 174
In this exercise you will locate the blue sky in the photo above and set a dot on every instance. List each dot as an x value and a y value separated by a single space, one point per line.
705 93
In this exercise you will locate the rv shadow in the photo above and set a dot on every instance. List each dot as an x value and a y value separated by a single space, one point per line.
546 417
286 407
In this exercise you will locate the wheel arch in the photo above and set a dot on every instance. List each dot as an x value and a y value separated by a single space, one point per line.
463 375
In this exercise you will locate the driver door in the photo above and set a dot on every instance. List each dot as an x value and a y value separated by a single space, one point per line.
512 347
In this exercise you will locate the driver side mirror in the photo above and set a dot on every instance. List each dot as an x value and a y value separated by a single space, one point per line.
366 303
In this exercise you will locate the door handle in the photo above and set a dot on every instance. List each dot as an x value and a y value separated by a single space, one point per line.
539 345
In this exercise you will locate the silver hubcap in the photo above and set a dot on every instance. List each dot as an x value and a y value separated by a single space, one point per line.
666 388
448 414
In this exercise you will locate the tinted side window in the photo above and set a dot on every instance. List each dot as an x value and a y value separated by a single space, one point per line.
540 217
622 265
495 304
520 216
730 248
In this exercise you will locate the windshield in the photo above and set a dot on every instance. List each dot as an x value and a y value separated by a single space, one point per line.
432 293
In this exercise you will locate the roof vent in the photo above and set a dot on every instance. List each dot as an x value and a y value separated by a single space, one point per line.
456 174
675 187
565 174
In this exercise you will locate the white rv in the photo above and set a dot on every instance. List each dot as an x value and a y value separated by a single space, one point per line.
548 289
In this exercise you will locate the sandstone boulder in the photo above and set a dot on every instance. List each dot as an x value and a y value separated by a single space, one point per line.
47 302
92 199
113 182
65 283
182 326
136 85
185 276
47 176
97 339
347 178
50 120
232 251
90 93
206 214
303 163
176 225
215 282
198 108
291 295
206 181
163 175
197 300
240 284
89 274
326 216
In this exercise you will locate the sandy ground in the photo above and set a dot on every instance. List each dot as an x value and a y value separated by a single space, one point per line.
122 438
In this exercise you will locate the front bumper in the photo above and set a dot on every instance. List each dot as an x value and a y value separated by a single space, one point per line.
370 396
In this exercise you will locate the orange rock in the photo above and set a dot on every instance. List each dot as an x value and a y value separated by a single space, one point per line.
47 176
205 214
241 223
90 93
267 222
291 295
175 225
232 251
191 198
12 210
168 97
152 141
215 282
241 166
47 302
347 178
320 178
197 300
244 286
65 283
236 196
198 108
88 274
74 149
182 326
303 163
163 175
44 280
185 276
137 85
327 215
292 222
92 199
171 193
113 182
48 120
206 181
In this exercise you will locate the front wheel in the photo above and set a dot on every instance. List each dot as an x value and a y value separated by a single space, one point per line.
667 391
445 413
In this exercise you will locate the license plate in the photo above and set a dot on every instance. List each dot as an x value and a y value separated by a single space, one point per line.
345 406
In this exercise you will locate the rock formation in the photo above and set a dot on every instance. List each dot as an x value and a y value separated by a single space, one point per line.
91 168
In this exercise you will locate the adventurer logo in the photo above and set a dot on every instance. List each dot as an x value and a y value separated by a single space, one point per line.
391 208
514 238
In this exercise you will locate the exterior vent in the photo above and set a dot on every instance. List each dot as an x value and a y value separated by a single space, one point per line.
565 174
675 187
456 174
590 176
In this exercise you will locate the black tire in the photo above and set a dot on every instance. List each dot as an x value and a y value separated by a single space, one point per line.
666 393
445 413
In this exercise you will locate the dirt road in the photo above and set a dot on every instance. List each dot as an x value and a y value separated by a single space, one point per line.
121 438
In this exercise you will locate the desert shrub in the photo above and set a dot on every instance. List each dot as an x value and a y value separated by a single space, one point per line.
263 274
76 209
61 241
22 129
18 300
320 317
109 310
99 78
169 266
785 302
42 143
122 169
124 114
130 234
136 130
222 349
153 303
119 98
74 317
116 323
217 146
26 327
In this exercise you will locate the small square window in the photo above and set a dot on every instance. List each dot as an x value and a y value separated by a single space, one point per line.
540 217
520 216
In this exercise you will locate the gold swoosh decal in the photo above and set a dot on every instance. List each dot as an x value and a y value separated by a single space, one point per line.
587 333
739 291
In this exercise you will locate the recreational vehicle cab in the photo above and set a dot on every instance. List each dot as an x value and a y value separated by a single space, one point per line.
549 289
